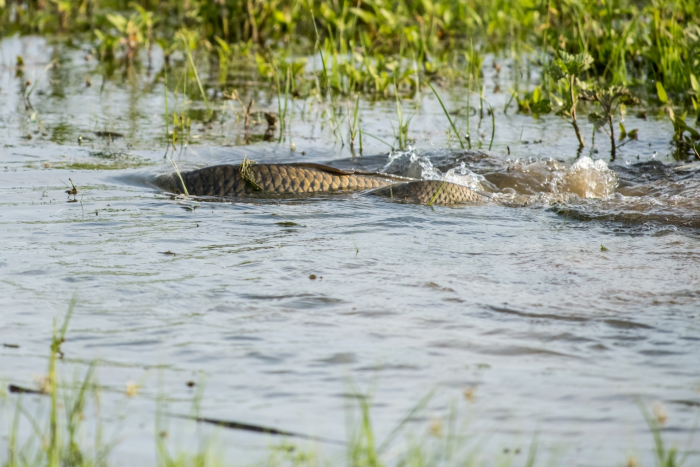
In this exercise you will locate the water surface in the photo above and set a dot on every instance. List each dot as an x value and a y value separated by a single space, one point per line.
558 313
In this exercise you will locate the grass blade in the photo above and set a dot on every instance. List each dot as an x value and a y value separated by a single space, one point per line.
447 115
375 137
201 89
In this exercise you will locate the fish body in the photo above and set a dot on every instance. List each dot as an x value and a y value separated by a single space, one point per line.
431 192
250 179
280 179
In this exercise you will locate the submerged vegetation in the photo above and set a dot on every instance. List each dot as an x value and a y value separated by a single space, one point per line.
333 51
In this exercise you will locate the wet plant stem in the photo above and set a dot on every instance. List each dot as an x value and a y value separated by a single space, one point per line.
279 96
375 137
354 127
612 136
53 424
201 88
493 119
165 93
574 122
469 108
179 175
402 134
447 114
286 96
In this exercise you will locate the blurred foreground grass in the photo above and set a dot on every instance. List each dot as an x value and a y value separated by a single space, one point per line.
57 435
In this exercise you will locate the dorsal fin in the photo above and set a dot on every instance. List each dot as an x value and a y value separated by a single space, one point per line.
336 171
322 168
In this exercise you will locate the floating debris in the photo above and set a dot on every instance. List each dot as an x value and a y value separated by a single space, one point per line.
14 389
74 190
109 134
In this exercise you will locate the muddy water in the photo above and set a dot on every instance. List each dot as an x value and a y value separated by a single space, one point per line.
559 307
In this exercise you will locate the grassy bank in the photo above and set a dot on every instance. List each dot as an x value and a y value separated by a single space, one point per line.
590 59
630 42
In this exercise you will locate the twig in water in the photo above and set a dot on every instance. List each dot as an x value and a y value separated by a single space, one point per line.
256 428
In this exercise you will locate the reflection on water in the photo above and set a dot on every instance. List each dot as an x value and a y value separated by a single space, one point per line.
558 306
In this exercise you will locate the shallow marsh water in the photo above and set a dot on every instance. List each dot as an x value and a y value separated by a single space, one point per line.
515 300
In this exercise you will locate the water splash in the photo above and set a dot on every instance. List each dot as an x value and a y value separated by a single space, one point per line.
586 178
412 164
551 179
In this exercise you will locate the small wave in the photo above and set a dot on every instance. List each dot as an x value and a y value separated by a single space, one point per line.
586 178
410 163
651 193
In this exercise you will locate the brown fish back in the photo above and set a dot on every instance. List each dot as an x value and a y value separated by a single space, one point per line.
295 179
228 181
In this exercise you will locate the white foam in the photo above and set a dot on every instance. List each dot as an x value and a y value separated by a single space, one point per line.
410 163
586 178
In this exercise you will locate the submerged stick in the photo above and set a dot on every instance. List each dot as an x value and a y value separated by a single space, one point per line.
233 425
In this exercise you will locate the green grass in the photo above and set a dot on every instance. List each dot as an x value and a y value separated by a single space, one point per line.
449 119
386 49
628 40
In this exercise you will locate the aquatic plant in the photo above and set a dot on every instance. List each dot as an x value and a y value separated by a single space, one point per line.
626 40
532 102
568 67
401 132
684 136
447 114
133 32
372 48
354 126
609 98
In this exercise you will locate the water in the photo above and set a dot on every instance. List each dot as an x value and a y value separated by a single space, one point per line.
558 313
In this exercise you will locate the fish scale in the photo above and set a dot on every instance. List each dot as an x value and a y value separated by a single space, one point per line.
228 181
431 192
